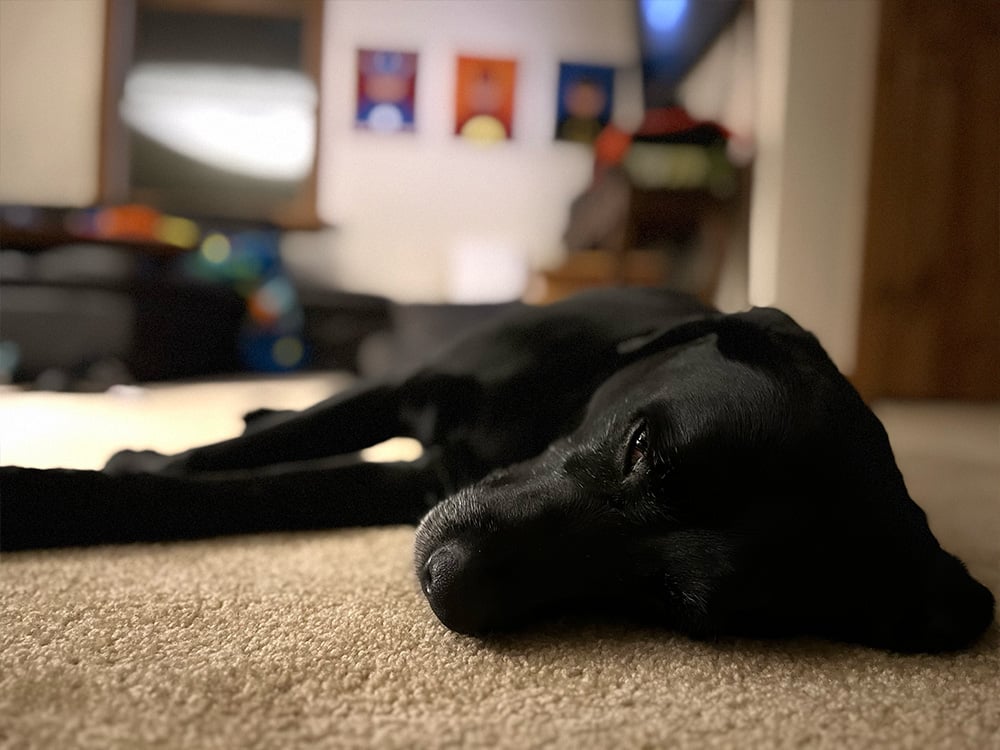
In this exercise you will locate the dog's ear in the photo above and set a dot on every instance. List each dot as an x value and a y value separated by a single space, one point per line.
886 580
659 339
923 595
907 601
874 569
880 590
752 336
954 608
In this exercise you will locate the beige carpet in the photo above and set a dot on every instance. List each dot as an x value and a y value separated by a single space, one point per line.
323 640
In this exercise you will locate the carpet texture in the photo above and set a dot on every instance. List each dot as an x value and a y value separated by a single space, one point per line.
323 640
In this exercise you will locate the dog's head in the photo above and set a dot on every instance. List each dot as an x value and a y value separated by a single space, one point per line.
726 480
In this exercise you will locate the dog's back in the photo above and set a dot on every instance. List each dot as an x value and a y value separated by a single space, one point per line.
512 385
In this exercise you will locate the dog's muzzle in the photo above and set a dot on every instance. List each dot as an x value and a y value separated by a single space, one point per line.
517 546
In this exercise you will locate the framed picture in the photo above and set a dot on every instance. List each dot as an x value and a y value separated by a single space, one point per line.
484 99
387 88
586 95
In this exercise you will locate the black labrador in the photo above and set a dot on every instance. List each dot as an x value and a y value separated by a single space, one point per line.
626 451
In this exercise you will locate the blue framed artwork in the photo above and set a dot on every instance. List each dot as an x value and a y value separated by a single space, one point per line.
387 90
586 94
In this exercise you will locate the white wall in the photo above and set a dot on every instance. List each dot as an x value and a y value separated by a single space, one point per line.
50 94
816 80
404 204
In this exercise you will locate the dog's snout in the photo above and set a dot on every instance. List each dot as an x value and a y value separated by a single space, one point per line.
449 582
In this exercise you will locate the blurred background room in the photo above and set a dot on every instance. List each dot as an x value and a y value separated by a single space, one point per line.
192 190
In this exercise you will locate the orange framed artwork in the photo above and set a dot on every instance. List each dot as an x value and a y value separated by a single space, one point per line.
484 98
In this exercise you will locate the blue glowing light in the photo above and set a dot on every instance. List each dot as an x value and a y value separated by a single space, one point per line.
663 15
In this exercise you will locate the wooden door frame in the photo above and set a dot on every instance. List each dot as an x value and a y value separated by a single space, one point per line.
882 358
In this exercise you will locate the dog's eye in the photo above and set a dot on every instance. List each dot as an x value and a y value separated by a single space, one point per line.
638 444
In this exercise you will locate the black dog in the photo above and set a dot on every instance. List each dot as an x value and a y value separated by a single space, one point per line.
631 451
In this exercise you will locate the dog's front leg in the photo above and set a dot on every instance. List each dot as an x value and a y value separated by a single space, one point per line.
61 507
354 419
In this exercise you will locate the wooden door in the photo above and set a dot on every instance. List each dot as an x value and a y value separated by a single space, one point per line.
930 307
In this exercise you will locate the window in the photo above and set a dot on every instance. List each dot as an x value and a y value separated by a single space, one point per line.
211 107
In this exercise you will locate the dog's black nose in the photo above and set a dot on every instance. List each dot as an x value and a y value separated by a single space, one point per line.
449 581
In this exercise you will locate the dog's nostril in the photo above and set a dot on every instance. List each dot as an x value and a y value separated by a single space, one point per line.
442 569
427 576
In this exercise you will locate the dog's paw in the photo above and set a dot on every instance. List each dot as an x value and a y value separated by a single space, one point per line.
139 462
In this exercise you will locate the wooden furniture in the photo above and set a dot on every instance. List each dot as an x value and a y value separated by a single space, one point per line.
75 302
666 237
